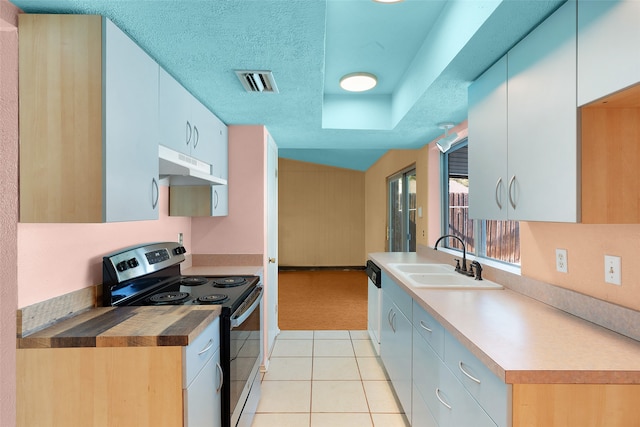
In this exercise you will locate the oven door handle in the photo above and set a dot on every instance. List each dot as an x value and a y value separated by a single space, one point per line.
243 312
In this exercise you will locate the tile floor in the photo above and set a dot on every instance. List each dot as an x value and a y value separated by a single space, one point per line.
326 378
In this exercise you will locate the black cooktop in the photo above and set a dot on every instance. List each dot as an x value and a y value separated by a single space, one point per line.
222 290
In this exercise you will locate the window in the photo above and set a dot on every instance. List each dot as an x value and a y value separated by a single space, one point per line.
499 240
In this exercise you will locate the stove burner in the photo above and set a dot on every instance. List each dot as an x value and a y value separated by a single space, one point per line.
228 282
213 299
169 297
193 281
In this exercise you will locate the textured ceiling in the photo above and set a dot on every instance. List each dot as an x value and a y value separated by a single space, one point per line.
424 52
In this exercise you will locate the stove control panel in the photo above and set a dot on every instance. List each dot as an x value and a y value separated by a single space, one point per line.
155 257
137 261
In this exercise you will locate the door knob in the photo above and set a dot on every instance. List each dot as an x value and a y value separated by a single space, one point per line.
272 260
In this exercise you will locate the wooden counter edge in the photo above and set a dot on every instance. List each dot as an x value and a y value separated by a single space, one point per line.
179 333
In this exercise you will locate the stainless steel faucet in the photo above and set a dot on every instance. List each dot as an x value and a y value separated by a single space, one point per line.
463 269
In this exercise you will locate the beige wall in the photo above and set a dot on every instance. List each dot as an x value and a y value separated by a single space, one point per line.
321 215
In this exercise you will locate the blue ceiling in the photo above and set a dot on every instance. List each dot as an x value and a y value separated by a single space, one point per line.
424 52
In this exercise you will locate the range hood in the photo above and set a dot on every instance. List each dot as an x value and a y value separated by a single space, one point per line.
185 170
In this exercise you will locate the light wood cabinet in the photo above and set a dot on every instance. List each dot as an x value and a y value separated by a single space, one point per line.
610 137
541 157
88 122
199 200
608 58
121 386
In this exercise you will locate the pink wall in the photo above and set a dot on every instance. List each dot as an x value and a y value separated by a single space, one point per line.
243 231
74 251
8 209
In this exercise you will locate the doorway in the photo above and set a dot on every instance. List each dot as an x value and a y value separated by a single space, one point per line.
401 229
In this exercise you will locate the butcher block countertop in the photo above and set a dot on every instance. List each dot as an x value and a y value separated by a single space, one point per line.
521 340
144 326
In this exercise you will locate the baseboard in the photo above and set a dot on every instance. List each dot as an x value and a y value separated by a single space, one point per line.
316 268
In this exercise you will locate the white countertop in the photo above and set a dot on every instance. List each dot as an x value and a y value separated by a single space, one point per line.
523 340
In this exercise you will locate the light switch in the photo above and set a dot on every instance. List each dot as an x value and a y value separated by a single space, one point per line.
612 270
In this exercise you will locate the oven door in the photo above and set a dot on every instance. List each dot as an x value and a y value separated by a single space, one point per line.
245 358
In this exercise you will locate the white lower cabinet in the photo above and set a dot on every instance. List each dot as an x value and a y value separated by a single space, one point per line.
438 382
202 379
420 413
489 390
395 343
449 403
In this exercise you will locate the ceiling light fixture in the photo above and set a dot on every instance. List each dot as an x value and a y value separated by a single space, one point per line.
388 1
358 82
445 143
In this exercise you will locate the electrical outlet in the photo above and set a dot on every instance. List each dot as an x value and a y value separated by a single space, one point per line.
561 261
180 239
612 270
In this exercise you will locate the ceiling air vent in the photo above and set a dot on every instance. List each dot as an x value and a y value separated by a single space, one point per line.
257 81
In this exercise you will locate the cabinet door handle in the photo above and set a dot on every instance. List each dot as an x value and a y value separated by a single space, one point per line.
425 327
154 187
221 376
442 401
497 195
389 317
471 377
510 191
393 322
188 133
215 199
206 348
196 136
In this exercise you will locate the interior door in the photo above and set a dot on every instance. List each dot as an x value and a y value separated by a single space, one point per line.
272 246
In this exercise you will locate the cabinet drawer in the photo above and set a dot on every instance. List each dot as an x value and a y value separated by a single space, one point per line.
489 390
420 414
429 329
448 401
397 295
426 365
196 354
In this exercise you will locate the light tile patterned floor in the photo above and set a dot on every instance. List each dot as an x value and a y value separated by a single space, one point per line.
326 378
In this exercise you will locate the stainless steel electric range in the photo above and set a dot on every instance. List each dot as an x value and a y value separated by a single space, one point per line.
149 274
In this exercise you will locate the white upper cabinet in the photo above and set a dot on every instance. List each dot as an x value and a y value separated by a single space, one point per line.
540 146
187 126
542 121
608 53
174 111
488 145
220 136
131 129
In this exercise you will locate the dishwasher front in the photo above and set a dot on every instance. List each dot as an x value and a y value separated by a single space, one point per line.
374 295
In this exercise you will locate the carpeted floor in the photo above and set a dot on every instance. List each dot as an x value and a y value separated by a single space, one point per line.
322 300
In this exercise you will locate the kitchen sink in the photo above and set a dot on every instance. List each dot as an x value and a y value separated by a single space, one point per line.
438 276
422 268
449 281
